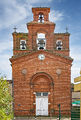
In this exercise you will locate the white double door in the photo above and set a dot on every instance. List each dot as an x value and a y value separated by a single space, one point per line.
42 105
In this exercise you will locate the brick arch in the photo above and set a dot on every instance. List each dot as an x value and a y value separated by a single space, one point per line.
42 74
42 31
40 13
42 82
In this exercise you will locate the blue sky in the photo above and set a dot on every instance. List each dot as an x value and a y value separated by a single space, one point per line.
18 13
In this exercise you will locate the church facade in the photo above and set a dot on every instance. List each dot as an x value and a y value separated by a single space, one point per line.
41 68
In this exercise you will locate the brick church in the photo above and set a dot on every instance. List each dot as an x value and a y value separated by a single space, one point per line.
41 68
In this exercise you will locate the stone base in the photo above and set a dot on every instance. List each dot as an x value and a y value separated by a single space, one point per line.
40 118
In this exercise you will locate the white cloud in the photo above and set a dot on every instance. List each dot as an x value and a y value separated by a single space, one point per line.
12 13
75 72
76 55
5 68
6 45
56 16
22 28
76 52
5 54
38 1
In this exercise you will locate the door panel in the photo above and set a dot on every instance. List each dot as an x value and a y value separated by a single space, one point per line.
42 106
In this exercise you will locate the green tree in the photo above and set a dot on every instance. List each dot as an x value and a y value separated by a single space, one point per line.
6 112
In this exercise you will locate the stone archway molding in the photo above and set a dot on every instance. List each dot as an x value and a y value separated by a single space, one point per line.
41 74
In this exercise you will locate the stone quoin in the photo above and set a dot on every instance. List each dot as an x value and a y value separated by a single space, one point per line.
41 68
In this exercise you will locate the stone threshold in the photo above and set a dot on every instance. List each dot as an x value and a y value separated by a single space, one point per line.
40 118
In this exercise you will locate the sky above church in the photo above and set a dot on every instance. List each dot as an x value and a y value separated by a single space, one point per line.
16 13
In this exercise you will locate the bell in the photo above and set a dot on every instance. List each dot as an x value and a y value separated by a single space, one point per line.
23 47
41 44
41 18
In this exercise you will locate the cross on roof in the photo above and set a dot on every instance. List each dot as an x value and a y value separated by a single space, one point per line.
66 29
15 29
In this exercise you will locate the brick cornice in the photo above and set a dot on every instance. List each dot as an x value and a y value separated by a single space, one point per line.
37 23
57 34
40 52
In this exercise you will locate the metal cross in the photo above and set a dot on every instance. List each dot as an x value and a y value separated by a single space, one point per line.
15 29
66 29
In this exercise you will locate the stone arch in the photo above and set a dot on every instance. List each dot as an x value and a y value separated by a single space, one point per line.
42 31
41 74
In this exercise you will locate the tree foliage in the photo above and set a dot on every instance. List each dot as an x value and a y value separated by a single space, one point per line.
6 112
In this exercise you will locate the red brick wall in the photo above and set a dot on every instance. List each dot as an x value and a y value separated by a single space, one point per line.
26 85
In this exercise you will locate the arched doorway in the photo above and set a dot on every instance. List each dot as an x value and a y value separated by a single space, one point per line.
42 87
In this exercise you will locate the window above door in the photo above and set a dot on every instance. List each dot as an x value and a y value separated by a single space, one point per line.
39 94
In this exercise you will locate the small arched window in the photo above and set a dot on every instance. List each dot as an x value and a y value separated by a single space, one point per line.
59 45
41 18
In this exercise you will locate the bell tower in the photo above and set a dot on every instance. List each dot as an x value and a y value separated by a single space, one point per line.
41 14
41 35
41 26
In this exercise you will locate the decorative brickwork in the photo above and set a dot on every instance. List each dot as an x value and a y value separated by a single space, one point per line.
32 73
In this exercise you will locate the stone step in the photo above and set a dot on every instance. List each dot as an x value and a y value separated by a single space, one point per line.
40 118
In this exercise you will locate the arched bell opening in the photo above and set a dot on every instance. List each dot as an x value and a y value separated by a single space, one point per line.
41 18
41 41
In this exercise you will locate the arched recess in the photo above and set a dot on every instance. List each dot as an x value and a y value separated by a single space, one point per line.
41 74
42 82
